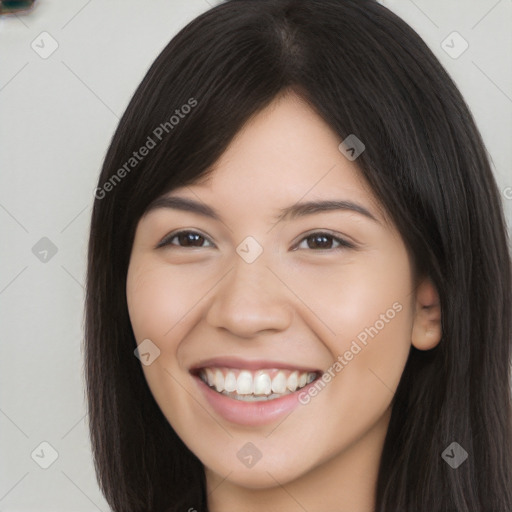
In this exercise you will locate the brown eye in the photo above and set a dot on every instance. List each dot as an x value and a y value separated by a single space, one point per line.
184 239
324 241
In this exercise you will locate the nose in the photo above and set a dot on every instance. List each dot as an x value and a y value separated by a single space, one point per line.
249 300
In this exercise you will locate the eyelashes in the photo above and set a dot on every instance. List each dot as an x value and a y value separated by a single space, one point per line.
320 241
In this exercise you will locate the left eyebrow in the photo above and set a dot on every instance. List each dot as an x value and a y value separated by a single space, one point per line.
291 212
311 207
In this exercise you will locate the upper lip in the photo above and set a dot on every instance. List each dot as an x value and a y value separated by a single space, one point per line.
249 364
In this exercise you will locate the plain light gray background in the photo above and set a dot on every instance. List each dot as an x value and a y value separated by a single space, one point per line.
58 112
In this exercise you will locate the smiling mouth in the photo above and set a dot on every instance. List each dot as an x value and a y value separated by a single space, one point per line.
253 386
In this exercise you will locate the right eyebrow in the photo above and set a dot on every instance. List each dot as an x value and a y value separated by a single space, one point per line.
184 204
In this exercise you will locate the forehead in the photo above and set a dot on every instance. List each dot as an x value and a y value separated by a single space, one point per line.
285 153
284 164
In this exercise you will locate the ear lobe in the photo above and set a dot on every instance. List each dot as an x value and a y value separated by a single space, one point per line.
426 329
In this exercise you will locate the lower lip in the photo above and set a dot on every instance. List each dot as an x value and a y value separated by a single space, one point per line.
250 413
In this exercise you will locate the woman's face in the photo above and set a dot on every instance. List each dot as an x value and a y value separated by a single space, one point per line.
258 302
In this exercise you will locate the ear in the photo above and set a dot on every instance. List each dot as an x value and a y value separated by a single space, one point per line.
426 329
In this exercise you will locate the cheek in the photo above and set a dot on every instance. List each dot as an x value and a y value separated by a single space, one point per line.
158 303
367 308
359 292
158 299
375 313
374 327
149 303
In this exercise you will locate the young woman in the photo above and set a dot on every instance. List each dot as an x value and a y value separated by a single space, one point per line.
299 286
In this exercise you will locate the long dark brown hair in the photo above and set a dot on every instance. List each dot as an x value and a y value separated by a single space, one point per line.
364 71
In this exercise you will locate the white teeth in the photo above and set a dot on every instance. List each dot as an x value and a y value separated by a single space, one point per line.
244 383
230 382
253 398
279 383
262 384
210 377
250 386
219 381
293 381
